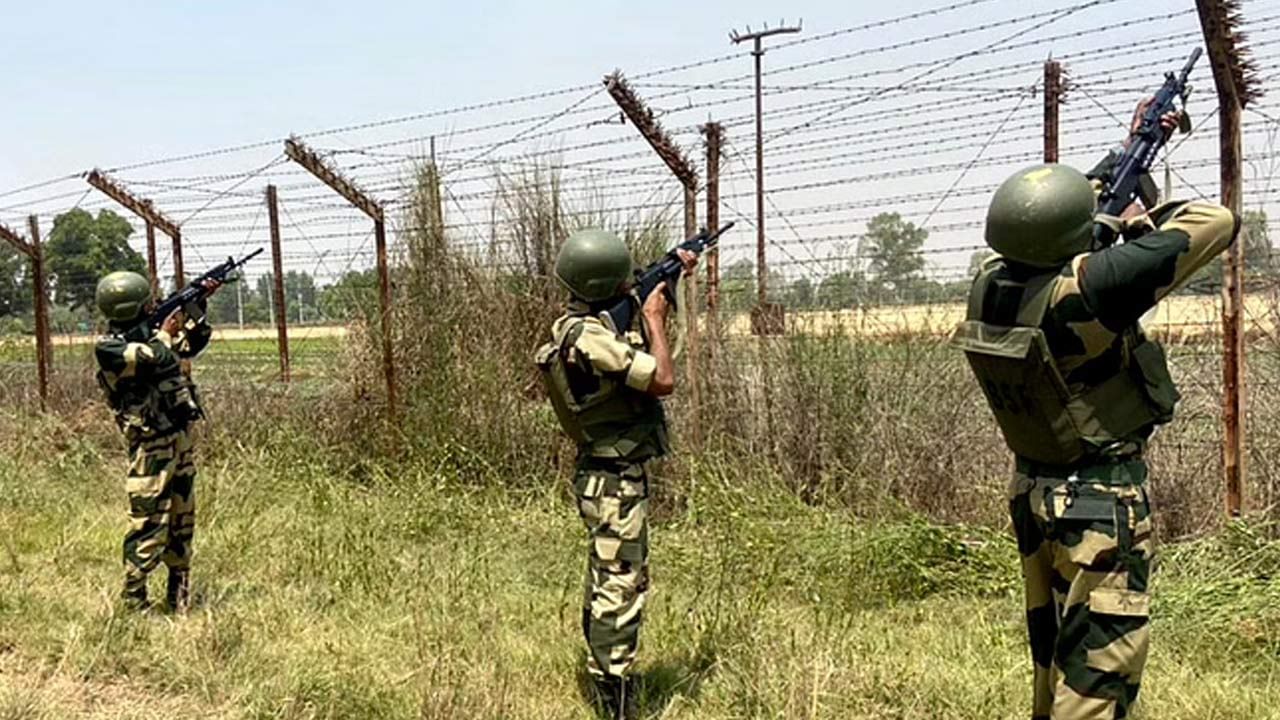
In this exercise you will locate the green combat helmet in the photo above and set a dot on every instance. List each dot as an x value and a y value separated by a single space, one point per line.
122 295
1042 216
593 264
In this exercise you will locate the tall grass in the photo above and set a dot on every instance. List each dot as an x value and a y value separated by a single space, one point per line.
880 426
412 593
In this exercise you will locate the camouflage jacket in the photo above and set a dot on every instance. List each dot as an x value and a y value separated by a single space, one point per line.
604 404
1091 321
142 374
1101 294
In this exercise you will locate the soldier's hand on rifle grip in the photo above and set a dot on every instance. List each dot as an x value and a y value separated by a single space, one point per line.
1169 122
173 323
688 259
656 306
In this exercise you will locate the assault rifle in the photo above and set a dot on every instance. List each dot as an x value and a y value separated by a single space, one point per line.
1130 177
196 291
667 269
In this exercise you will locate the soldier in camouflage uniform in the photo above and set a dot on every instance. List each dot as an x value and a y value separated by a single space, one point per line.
1077 390
150 392
605 383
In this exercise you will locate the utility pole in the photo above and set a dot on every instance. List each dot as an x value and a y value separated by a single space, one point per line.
147 212
1053 91
314 164
1237 84
240 305
151 260
40 301
277 306
766 319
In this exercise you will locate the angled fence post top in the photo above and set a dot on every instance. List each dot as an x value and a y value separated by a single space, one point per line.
17 241
642 117
138 206
298 152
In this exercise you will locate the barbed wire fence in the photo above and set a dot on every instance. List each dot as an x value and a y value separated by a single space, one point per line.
882 117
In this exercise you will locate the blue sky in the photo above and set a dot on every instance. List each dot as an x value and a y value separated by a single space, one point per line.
103 83
108 85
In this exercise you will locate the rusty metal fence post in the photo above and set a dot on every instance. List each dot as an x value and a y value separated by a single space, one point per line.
1052 102
670 153
152 271
277 284
1236 86
314 164
40 308
714 134
40 302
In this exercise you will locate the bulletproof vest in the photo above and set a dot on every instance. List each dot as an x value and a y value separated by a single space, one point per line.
162 401
1044 418
604 416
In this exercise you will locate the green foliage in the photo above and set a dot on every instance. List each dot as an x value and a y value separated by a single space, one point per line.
82 248
355 295
892 247
15 288
977 259
840 290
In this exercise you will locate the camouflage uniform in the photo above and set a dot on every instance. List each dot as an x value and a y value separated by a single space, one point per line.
154 401
618 427
1084 528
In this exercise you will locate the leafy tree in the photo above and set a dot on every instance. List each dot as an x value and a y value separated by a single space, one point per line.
354 295
892 246
738 285
15 290
299 287
978 258
227 304
83 248
840 290
799 294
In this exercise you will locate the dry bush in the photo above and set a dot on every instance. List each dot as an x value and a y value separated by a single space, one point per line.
879 425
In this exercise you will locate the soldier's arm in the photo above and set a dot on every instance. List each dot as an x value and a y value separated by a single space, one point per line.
1121 283
196 331
610 354
125 358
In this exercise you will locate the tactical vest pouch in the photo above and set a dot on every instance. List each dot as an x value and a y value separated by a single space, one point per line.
1044 419
607 419
1024 389
555 382
178 401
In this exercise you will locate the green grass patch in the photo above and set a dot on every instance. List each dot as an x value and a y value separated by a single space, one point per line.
409 596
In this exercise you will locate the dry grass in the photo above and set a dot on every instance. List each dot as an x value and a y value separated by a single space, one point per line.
829 541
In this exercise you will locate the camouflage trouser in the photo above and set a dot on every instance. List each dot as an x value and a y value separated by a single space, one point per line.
613 502
1086 545
162 507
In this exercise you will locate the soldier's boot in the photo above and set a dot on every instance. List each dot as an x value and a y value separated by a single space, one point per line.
134 595
616 698
178 591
